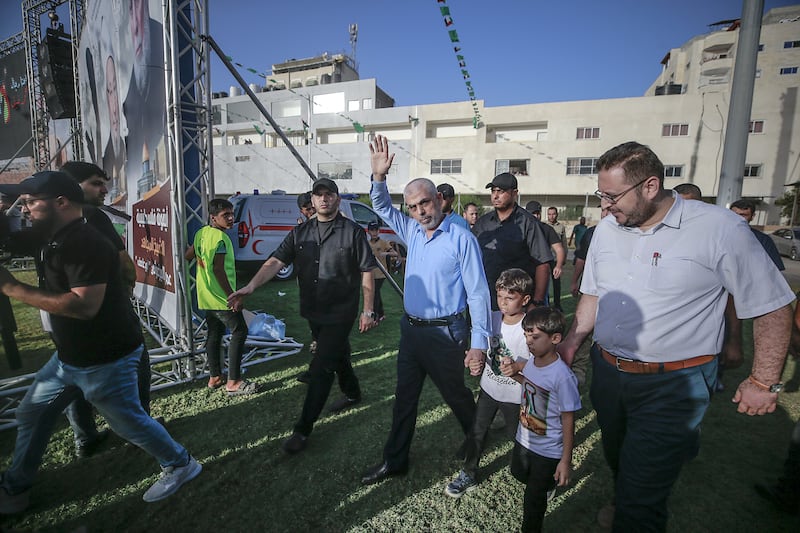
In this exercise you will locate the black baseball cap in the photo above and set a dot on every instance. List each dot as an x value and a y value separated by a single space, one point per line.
50 183
373 225
324 183
303 199
447 190
505 181
533 207
82 171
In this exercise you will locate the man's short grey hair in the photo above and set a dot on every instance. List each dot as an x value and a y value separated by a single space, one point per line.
421 183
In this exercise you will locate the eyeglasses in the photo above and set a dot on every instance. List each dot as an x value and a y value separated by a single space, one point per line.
614 198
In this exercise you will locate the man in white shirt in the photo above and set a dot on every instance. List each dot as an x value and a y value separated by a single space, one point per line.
655 287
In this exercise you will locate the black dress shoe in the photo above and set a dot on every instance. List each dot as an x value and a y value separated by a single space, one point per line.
295 444
87 449
380 472
343 403
783 500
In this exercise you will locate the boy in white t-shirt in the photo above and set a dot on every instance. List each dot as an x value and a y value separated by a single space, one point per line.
514 291
542 455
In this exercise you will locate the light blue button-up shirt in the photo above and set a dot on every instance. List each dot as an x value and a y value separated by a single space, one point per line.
444 274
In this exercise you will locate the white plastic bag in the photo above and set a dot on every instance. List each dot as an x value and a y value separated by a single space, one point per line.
267 326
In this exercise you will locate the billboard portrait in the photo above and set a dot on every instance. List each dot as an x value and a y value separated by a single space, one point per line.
124 110
15 112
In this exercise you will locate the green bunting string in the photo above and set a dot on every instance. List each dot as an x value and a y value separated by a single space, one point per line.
444 11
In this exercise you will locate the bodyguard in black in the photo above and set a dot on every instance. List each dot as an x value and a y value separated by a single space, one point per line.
332 258
510 237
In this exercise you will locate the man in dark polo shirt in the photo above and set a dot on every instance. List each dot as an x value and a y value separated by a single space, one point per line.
97 337
332 258
510 237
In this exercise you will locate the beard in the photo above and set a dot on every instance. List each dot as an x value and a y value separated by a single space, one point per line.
641 213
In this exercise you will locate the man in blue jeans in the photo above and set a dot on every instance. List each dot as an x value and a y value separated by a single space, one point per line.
97 337
655 286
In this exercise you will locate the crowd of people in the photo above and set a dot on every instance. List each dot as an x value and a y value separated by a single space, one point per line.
663 284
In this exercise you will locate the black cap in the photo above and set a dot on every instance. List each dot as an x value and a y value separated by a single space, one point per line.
324 183
447 190
373 225
505 181
49 183
303 199
533 207
82 171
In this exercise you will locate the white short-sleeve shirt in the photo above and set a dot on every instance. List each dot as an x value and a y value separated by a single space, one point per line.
662 292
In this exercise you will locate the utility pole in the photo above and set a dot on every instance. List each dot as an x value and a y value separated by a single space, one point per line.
744 74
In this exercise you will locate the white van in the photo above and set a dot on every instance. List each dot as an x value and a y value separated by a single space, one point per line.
262 221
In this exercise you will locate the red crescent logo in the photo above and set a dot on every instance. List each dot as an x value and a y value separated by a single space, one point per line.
255 246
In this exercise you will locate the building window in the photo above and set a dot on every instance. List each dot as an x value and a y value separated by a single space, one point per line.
335 171
445 166
760 47
241 158
518 167
791 44
674 130
366 103
588 133
581 165
272 140
328 103
353 105
673 171
756 126
752 171
788 70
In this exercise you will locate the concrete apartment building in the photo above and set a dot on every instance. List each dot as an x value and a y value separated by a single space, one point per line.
329 115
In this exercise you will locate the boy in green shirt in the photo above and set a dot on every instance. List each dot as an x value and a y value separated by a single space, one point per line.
216 279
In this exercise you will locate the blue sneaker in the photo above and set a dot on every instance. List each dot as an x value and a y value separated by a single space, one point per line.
462 484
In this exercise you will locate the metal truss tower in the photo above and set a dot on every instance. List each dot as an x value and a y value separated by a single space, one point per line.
32 12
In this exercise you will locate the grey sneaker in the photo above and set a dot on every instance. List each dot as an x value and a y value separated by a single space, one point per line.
171 479
462 484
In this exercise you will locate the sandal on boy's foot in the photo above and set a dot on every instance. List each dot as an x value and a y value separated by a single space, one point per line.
245 388
215 382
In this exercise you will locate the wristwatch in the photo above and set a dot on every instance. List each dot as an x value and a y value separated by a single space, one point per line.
774 388
369 314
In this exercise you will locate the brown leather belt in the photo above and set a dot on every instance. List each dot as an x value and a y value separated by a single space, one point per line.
631 366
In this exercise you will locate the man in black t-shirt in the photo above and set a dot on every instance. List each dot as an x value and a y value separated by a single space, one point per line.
92 181
97 338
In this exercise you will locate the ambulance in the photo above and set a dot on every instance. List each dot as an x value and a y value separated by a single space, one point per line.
262 221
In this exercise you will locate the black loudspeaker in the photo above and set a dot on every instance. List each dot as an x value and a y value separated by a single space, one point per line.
56 75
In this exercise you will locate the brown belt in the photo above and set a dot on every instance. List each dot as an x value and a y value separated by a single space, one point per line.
632 366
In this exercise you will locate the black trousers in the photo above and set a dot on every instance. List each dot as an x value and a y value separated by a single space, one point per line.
438 352
378 301
536 472
332 358
485 410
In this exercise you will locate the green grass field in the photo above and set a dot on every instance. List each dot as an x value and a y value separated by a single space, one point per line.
249 484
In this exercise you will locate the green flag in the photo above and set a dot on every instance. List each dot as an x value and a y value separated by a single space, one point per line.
453 36
444 10
358 127
258 130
